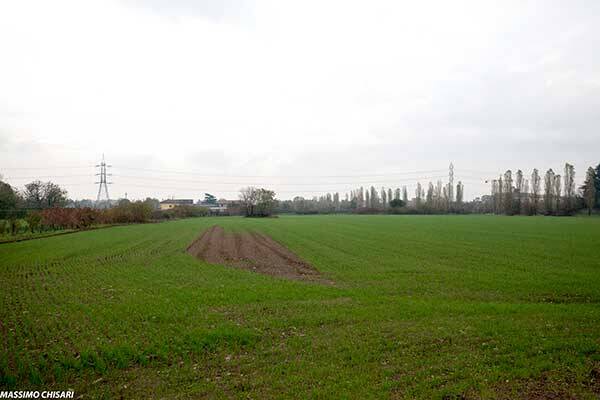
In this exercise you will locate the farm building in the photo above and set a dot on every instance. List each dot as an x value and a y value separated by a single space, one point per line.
218 207
168 204
221 207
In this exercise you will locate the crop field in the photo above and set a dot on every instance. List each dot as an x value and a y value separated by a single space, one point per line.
403 307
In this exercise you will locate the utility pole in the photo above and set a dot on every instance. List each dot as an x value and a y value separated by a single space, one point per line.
103 183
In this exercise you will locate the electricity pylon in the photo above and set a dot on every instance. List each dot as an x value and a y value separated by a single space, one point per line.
103 182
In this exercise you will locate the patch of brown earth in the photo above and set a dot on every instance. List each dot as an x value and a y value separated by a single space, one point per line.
252 251
549 386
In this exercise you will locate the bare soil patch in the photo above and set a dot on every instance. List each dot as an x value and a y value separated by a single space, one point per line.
252 251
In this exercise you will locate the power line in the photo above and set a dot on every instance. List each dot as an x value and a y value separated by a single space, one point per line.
197 189
45 168
47 176
278 183
278 176
224 191
389 179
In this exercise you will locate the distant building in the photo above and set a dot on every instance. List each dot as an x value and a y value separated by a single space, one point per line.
218 207
168 204
221 207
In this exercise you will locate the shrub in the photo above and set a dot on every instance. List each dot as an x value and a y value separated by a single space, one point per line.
34 220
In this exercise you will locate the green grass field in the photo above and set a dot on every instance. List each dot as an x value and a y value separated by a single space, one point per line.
422 307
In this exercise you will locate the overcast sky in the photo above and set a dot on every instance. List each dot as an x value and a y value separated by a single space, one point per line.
185 97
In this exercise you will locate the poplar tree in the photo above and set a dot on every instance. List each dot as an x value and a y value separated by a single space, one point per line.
500 196
569 187
557 192
518 191
418 195
460 189
598 186
361 198
589 189
548 191
438 196
508 192
374 198
429 197
535 191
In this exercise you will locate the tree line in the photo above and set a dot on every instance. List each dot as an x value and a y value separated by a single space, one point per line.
550 194
44 206
439 198
511 194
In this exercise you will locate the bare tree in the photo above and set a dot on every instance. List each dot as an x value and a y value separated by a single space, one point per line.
460 192
361 198
597 186
257 202
383 197
569 187
429 197
526 206
418 195
549 191
589 189
249 198
336 201
404 195
535 191
557 192
519 181
518 191
495 196
500 195
508 193
374 198
438 195
445 198
39 194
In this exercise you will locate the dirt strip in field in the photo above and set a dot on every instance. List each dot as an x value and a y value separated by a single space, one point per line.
252 251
